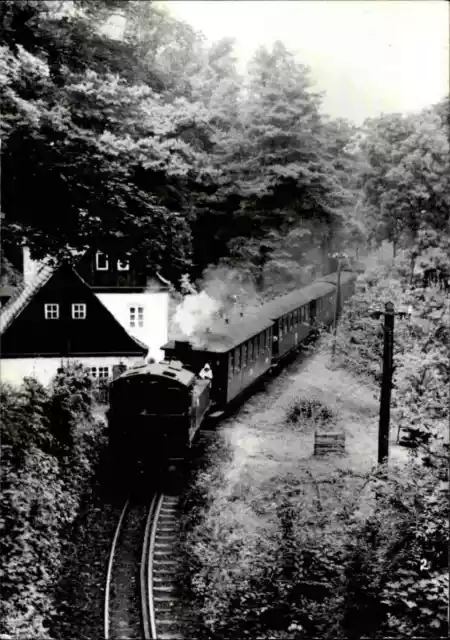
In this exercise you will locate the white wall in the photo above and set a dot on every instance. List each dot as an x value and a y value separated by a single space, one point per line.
14 370
154 333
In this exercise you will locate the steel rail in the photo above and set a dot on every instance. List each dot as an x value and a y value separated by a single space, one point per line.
151 550
145 560
110 567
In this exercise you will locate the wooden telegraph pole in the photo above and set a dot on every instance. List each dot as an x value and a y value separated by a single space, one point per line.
337 302
386 383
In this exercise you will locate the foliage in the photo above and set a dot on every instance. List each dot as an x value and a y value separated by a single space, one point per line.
406 179
314 553
151 141
50 451
422 374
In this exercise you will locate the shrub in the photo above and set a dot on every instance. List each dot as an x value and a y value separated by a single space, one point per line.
51 448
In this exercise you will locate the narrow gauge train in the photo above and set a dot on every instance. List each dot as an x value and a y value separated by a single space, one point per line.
156 409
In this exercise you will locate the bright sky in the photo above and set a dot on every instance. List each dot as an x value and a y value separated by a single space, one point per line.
370 56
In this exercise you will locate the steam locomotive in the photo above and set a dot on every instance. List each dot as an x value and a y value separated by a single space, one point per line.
156 409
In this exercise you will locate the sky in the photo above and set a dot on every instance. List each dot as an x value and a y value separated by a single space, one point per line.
369 56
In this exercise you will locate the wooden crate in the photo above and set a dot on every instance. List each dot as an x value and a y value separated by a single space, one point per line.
329 443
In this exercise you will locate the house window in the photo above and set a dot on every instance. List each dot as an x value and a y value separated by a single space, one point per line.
100 373
79 311
136 317
101 261
123 265
51 311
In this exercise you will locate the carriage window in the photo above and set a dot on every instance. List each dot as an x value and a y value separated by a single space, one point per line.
306 314
244 355
251 351
256 346
238 359
262 340
232 362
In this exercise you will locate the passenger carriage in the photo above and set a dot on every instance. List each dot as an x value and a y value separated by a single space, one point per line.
238 356
295 315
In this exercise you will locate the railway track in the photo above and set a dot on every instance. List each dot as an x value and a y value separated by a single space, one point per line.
141 591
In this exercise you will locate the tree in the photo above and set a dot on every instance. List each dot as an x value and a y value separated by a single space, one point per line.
406 183
109 149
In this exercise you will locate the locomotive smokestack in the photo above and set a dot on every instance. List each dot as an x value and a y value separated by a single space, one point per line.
182 346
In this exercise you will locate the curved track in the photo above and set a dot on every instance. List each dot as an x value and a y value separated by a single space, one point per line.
145 537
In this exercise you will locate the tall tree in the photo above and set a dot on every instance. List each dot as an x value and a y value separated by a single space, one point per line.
90 155
407 179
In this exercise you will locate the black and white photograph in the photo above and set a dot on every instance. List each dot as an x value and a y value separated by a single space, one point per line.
224 319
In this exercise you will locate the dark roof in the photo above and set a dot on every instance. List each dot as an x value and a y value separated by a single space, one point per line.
20 300
16 305
229 335
295 299
172 370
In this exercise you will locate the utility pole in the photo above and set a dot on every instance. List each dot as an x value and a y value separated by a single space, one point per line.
386 383
337 300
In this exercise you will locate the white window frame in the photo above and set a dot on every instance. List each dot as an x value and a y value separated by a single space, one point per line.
123 265
97 266
93 372
101 371
79 311
136 316
51 308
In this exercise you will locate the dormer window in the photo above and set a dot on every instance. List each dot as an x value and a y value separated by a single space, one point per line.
51 311
79 311
101 261
123 265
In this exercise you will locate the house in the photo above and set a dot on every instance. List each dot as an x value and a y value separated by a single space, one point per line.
55 319
138 304
101 312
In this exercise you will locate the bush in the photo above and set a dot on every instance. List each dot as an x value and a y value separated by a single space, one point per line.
51 447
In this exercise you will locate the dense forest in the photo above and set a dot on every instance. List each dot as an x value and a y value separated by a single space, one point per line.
154 145
152 142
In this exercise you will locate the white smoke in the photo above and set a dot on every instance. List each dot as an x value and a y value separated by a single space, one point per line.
196 314
225 297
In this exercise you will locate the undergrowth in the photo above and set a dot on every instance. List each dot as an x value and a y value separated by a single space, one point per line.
280 544
51 445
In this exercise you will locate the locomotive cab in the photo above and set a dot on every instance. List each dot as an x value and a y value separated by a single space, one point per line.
155 412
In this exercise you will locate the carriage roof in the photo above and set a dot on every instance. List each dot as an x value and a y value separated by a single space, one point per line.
295 299
228 336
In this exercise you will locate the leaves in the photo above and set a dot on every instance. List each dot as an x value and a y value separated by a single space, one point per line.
44 475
